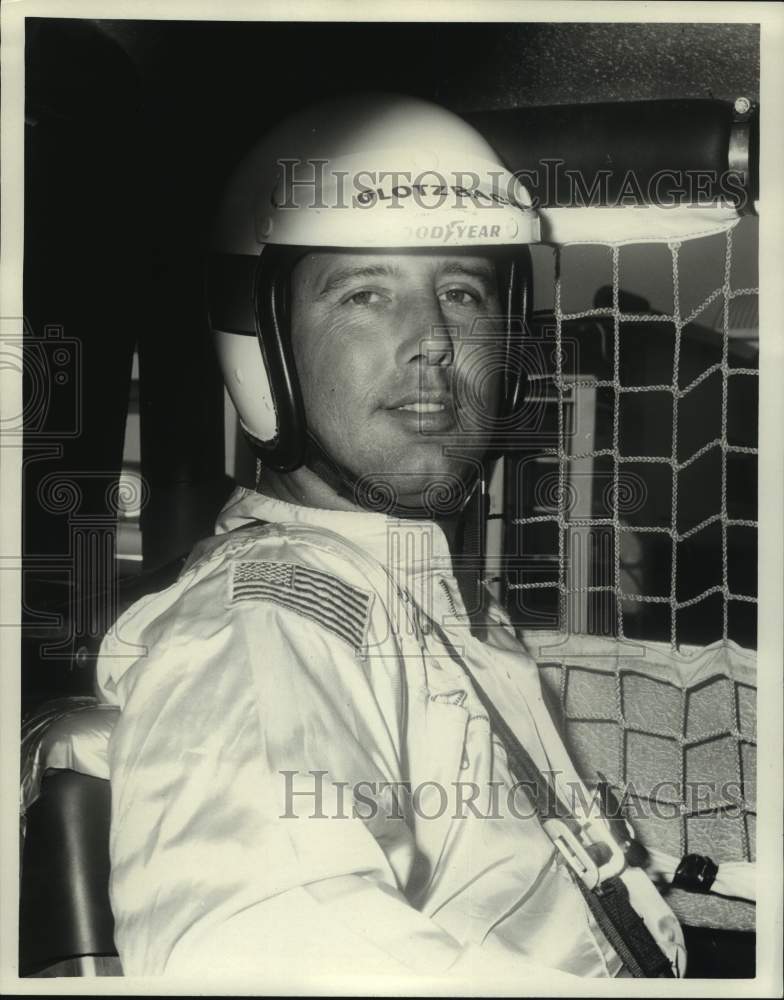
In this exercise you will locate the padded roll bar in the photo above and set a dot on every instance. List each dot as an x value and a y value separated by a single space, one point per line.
677 152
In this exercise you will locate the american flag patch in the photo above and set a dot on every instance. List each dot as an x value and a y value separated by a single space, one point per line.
325 599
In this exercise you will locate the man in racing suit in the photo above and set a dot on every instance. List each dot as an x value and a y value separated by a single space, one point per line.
305 779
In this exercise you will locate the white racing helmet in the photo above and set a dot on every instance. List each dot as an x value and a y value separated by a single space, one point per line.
361 173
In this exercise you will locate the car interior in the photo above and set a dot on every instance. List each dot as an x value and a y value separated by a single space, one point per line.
131 446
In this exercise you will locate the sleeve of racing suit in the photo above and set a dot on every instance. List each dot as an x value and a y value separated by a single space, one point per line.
235 849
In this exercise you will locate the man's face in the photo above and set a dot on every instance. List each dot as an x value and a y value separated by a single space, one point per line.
398 362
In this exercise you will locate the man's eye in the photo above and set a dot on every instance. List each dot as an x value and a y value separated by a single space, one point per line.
459 297
366 297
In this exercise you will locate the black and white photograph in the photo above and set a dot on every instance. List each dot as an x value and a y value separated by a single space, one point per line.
392 498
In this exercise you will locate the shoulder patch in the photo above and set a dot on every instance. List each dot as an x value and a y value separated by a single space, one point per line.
325 599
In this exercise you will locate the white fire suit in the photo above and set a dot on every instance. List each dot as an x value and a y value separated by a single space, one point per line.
294 759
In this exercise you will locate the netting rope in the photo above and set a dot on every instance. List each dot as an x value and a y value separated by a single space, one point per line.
564 456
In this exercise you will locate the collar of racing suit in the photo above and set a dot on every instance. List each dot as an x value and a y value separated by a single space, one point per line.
415 552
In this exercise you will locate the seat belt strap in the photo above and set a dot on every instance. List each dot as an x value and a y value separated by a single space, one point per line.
625 929
609 901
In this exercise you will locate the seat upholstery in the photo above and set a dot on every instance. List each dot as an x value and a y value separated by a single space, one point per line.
64 891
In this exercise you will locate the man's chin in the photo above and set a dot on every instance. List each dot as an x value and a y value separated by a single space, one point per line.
439 492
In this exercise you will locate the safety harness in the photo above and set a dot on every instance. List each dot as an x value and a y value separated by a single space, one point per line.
595 853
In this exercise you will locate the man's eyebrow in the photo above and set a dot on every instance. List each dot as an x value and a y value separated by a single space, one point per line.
484 272
343 275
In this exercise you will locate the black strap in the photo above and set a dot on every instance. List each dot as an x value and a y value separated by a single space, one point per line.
625 929
609 903
695 873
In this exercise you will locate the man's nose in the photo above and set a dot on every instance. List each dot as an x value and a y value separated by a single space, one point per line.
427 337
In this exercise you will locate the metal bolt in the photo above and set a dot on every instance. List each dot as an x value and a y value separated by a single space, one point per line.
81 656
742 105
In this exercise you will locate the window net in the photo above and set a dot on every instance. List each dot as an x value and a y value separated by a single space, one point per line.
629 543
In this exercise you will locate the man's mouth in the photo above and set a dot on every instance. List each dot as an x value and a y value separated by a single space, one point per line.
425 412
423 407
424 402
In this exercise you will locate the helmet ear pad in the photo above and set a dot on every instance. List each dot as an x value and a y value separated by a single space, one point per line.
272 306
